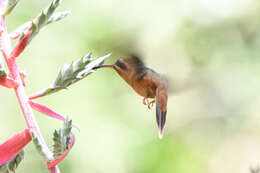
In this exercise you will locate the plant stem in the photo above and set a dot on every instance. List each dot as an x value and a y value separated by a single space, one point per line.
20 91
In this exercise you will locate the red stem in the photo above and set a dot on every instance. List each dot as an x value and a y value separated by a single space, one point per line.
20 92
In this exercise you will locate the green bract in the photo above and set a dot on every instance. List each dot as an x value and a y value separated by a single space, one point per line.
11 166
72 73
2 71
47 16
61 139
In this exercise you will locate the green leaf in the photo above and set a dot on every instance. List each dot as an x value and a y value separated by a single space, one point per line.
47 16
42 19
7 6
13 164
72 73
61 139
3 72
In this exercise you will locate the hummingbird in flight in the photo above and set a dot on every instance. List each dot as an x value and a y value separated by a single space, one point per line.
147 83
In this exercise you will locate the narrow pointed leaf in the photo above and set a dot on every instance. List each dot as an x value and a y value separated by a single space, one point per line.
58 16
10 148
47 111
8 82
72 73
20 46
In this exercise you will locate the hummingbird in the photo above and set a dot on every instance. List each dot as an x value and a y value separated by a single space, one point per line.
147 83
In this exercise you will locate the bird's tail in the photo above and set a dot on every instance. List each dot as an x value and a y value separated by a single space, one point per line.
160 119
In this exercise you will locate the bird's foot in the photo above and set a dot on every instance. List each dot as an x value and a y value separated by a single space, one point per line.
151 104
145 101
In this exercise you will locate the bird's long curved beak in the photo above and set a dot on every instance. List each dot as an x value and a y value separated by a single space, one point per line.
104 66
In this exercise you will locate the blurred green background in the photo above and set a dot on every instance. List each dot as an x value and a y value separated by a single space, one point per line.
208 50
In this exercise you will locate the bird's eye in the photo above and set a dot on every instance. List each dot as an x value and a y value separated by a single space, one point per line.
120 64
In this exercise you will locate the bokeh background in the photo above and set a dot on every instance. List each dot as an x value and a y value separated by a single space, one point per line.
208 50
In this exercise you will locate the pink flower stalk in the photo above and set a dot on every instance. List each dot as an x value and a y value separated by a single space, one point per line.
10 148
16 81
8 82
10 54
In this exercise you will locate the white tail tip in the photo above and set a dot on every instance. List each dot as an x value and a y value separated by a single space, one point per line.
160 135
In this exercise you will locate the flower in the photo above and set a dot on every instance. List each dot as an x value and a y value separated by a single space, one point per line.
11 147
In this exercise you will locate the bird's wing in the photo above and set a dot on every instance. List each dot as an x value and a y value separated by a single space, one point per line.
161 103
